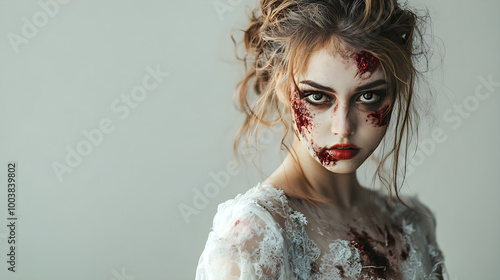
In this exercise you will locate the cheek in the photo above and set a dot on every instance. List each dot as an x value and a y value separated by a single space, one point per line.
370 133
380 117
308 124
302 117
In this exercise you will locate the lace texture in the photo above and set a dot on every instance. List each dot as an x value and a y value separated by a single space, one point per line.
262 235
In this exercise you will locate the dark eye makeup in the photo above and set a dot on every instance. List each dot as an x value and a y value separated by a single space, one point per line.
316 98
368 99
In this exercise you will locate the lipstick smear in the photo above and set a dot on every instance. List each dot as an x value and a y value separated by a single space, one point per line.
302 116
331 156
326 157
366 62
380 117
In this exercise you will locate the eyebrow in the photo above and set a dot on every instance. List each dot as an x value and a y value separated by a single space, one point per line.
360 88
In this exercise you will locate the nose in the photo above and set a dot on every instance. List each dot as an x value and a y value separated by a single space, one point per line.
342 125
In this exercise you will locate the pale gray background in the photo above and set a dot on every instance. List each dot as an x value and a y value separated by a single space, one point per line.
117 214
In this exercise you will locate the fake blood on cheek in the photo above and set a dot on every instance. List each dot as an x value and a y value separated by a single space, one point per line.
302 116
303 121
380 117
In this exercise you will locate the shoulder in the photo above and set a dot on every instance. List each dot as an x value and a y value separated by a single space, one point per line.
251 211
407 212
415 217
419 229
245 239
417 209
417 224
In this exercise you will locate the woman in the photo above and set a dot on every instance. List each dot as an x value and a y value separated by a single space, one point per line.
339 75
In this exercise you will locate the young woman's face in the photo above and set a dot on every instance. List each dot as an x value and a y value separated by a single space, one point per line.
341 109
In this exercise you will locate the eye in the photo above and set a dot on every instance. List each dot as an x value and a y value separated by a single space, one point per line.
316 97
369 97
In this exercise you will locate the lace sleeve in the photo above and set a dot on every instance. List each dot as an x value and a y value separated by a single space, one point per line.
245 243
437 259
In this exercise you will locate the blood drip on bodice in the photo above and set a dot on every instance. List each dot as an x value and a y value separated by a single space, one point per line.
374 261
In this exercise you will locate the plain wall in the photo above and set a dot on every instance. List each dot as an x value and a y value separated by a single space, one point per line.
67 70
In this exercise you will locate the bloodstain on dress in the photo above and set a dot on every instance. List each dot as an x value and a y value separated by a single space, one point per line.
374 261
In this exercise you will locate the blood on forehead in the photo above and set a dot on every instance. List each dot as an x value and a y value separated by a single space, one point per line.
366 62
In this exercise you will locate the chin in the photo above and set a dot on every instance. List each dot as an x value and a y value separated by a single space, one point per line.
340 167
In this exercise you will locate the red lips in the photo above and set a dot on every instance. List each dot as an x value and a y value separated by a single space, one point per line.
344 146
337 152
343 154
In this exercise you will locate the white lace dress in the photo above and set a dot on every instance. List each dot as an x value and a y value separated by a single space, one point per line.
264 234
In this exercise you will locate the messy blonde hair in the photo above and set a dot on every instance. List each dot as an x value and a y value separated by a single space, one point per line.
283 33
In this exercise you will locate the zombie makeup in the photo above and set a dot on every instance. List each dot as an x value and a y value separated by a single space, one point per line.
335 153
325 156
339 114
304 127
366 62
380 117
303 120
301 115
